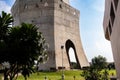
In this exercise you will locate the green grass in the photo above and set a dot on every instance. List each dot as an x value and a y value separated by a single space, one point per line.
57 75
1 76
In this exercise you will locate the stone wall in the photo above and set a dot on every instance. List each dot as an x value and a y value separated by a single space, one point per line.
59 22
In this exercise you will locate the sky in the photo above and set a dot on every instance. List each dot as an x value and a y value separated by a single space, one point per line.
91 26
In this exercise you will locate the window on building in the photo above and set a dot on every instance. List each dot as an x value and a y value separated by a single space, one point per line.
41 0
112 14
116 3
68 10
60 6
74 13
32 21
110 28
107 36
46 4
37 5
26 6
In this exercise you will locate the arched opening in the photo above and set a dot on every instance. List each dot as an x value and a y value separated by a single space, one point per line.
71 54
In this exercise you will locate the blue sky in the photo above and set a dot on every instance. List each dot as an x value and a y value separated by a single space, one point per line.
91 26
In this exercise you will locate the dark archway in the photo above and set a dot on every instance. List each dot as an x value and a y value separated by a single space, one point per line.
69 44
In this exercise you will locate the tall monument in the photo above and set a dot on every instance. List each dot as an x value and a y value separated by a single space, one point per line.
59 23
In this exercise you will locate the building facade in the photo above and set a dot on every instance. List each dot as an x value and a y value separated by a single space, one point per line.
59 23
111 26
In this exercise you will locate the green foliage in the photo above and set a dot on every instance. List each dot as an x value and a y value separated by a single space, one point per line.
104 75
25 45
91 74
20 46
94 72
5 21
74 65
25 42
111 66
99 62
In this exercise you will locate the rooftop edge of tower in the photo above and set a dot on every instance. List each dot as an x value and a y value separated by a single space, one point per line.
66 1
61 5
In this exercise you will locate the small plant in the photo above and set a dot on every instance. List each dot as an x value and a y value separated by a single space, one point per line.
94 72
91 74
105 75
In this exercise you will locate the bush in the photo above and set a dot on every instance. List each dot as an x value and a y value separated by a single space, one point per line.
95 71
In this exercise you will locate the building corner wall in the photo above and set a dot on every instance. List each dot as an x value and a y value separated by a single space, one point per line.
111 25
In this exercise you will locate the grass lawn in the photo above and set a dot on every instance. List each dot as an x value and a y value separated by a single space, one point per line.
55 75
69 75
1 76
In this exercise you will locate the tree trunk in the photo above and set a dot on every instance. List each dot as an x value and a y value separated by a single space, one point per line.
5 75
25 78
11 78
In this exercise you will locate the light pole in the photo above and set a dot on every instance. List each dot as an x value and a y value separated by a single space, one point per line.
62 47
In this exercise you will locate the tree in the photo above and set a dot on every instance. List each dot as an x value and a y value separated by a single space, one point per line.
94 72
20 47
25 45
99 62
5 21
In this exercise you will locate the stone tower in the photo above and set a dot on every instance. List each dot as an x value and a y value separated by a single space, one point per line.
59 23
